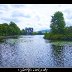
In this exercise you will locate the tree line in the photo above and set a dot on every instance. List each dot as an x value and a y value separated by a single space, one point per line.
9 29
12 29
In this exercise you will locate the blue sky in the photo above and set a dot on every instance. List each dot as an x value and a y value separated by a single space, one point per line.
37 16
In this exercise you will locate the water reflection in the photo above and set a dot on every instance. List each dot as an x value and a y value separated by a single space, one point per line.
58 55
0 57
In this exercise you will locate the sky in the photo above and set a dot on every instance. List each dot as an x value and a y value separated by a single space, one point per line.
37 16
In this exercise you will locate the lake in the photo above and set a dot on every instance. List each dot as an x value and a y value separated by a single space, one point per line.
33 51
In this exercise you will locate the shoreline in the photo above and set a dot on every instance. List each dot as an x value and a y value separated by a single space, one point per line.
5 37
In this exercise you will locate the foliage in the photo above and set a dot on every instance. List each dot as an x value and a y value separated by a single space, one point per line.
23 32
9 29
14 29
68 30
57 23
40 33
52 36
58 29
37 33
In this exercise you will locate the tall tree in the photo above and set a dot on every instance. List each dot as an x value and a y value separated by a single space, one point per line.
57 23
14 29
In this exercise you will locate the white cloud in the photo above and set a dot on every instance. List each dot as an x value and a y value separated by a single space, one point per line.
37 16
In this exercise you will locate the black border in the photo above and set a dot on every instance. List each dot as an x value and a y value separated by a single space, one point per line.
35 69
35 2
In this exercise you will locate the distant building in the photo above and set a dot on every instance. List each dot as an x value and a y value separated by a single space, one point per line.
29 30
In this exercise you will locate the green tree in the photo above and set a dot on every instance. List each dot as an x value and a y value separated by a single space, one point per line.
11 29
23 32
1 29
68 30
4 29
14 29
57 23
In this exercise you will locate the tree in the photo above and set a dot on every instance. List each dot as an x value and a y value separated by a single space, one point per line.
68 30
4 29
14 29
40 33
9 29
57 23
23 32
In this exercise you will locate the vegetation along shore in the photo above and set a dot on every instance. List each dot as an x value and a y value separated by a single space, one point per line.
59 30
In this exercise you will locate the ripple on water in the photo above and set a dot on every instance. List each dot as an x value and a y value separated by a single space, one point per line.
34 51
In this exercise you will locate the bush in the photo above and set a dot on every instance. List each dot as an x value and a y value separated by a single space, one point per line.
52 36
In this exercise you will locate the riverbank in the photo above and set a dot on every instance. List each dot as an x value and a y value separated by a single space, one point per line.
64 37
5 37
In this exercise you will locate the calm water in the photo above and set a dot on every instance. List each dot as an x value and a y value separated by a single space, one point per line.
34 51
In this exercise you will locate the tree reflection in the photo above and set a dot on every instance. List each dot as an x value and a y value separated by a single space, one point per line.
0 56
57 54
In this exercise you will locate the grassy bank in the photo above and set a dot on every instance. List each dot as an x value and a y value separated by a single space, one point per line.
66 37
5 37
